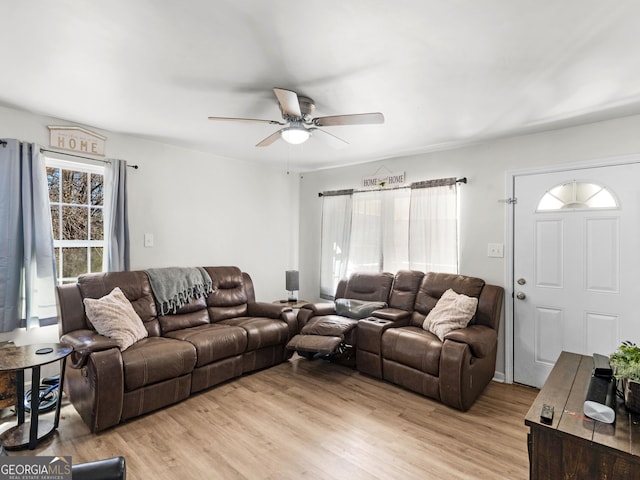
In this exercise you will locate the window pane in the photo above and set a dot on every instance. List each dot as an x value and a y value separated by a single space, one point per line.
97 224
74 261
97 189
55 221
53 178
577 196
56 252
96 259
74 223
74 187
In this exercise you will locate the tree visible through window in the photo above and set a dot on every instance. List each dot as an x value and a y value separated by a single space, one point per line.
76 195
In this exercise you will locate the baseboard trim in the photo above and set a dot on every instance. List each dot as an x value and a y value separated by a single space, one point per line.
498 377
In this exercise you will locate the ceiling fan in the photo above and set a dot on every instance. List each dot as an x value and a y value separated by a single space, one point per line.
297 111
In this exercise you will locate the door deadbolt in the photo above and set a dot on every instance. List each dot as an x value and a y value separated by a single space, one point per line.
521 296
521 281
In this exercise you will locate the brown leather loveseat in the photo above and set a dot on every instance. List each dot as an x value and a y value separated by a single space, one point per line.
393 345
208 341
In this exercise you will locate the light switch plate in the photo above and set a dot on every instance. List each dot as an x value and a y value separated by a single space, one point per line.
496 250
148 239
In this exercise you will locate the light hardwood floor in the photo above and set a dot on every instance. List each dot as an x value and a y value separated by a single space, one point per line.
316 420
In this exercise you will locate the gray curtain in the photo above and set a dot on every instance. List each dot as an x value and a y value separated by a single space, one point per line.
27 265
117 232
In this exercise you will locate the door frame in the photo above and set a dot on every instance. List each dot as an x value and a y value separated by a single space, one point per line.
509 244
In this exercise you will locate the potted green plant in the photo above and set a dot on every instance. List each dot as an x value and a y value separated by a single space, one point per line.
625 362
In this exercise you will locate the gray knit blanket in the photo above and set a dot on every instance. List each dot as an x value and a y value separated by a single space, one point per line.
174 287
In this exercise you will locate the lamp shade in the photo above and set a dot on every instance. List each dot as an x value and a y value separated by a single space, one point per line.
292 280
295 135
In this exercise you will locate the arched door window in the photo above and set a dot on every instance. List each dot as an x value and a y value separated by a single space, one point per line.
576 195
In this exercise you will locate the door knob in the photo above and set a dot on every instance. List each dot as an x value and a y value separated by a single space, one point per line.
521 281
521 296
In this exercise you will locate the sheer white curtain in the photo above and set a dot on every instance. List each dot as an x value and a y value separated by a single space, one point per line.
27 266
380 231
336 229
365 252
389 230
433 234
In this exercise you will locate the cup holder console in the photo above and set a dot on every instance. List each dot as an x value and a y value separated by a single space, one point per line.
378 320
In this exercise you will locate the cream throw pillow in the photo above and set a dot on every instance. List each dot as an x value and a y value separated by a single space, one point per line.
113 316
453 311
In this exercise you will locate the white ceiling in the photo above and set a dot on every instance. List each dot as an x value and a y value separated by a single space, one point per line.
443 72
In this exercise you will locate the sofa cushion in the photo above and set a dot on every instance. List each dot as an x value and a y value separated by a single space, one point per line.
229 298
135 286
413 347
433 286
190 315
213 342
113 316
358 309
405 288
452 312
261 332
155 359
374 287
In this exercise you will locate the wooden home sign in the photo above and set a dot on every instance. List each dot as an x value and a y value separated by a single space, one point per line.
77 139
391 179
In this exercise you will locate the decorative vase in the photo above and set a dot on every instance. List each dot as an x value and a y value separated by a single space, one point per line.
632 395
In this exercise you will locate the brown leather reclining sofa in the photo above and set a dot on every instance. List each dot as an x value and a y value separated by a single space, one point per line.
206 342
391 343
227 333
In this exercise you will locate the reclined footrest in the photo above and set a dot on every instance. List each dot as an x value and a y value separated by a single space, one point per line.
314 343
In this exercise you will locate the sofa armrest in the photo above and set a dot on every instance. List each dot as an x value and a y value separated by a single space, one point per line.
322 308
309 310
264 309
481 340
84 342
370 331
392 314
96 389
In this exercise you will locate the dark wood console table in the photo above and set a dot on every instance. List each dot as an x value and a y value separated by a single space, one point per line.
574 446
18 359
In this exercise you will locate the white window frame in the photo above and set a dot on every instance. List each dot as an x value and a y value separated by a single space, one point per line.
59 244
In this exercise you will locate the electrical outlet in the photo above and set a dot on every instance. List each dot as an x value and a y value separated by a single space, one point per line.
496 250
148 239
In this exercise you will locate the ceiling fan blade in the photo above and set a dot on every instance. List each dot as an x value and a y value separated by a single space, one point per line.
289 103
246 120
354 119
329 138
269 140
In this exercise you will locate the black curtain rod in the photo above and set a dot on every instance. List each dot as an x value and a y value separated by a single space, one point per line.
350 191
42 150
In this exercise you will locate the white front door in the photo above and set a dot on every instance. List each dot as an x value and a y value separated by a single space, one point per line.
576 265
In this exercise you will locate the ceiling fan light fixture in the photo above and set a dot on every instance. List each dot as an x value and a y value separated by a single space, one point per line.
295 135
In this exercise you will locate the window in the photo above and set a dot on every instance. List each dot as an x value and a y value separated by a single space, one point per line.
76 197
576 196
389 230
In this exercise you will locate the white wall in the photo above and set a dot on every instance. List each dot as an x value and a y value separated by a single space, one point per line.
482 216
207 210
202 209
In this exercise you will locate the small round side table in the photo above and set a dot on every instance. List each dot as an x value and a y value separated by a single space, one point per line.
18 359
